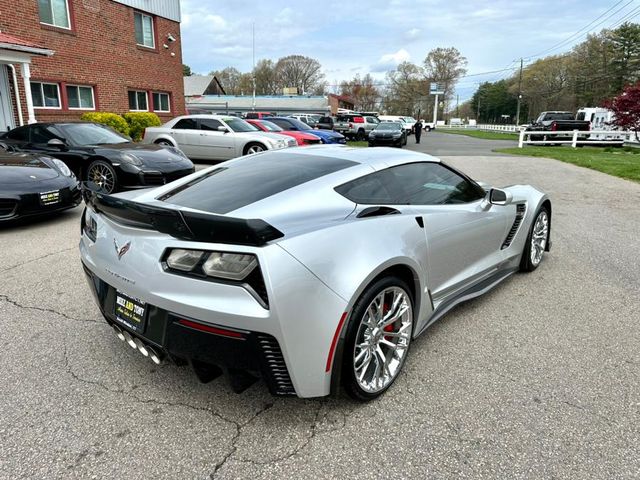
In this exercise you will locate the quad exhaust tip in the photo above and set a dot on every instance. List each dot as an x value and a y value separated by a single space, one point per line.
139 345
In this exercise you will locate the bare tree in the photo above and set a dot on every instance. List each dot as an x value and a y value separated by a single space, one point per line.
445 66
229 78
266 78
300 72
363 92
407 90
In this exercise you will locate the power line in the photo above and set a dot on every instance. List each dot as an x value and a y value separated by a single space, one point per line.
578 34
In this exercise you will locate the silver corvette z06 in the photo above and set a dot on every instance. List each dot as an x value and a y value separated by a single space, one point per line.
310 268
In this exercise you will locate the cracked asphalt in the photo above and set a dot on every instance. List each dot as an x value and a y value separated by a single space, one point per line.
540 378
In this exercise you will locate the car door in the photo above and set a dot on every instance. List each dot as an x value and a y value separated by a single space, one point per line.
213 143
186 134
464 231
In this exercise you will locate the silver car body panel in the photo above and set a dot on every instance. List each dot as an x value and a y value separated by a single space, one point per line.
327 257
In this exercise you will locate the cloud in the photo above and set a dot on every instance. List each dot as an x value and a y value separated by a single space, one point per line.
412 34
389 61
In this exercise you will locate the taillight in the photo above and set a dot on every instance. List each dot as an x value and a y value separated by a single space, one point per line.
334 342
210 329
358 119
554 126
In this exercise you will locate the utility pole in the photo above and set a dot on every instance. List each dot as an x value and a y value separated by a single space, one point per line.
253 34
519 94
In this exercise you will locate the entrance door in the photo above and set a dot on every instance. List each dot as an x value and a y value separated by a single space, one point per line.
6 112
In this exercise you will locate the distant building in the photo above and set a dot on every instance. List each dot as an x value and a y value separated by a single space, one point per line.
61 58
198 85
279 104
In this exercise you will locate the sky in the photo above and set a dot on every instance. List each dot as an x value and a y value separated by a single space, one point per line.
350 37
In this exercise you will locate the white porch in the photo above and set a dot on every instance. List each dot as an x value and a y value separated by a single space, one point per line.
16 55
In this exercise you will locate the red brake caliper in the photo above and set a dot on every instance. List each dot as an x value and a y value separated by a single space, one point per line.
388 328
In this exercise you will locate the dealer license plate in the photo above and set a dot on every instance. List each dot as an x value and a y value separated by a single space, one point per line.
50 198
130 312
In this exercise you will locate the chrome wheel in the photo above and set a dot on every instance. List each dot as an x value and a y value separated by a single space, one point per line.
539 237
255 149
164 143
103 176
382 339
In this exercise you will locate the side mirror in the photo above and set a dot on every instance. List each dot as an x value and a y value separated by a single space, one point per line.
223 129
500 197
57 143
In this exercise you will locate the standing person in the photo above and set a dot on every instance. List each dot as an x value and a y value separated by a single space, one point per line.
417 128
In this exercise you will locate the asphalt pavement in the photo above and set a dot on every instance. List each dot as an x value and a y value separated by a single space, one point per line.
538 379
449 144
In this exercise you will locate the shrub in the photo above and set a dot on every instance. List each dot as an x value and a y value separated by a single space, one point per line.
138 121
112 120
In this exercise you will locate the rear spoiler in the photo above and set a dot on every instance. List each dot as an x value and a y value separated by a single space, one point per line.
192 226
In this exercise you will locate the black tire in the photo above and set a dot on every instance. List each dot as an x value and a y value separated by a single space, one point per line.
164 142
399 144
526 263
404 140
349 381
103 175
254 146
360 135
427 129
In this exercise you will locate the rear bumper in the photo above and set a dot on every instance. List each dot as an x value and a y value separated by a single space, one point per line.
247 353
150 178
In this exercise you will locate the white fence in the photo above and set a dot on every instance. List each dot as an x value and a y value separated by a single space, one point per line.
583 137
624 136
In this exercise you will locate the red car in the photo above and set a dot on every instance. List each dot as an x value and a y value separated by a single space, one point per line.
302 138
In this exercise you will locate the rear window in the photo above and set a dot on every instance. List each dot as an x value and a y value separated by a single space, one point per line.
252 179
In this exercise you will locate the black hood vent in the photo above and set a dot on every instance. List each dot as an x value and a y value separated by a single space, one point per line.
520 210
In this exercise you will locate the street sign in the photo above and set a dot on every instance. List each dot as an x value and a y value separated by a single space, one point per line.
436 89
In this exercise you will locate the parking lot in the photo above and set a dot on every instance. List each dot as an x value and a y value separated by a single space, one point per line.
538 379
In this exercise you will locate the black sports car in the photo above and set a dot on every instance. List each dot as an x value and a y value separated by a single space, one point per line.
34 184
388 133
99 154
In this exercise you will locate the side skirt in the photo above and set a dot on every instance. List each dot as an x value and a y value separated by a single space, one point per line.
472 292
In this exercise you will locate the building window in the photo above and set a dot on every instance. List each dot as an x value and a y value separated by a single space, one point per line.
55 12
80 97
144 30
45 95
161 102
138 101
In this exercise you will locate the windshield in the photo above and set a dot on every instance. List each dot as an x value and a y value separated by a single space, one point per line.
239 125
298 124
388 126
82 134
270 126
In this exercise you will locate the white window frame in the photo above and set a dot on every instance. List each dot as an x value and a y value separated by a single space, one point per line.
66 2
93 96
153 30
45 107
146 94
155 108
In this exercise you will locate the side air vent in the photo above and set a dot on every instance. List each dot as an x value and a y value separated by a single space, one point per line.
520 209
278 378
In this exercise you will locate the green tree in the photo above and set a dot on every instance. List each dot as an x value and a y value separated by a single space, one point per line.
266 78
186 70
494 100
445 66
625 63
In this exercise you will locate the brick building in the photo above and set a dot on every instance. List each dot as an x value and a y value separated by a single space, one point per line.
61 58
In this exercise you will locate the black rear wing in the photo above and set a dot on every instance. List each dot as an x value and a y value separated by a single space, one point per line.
193 226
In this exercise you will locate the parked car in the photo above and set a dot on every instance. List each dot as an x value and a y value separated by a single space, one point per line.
396 118
99 154
310 119
556 121
254 115
388 133
309 267
34 184
355 126
302 138
325 122
215 137
292 124
409 122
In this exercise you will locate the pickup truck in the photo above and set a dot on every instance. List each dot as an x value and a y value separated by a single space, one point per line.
355 126
558 122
